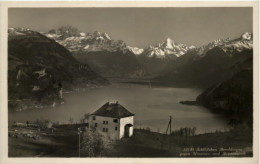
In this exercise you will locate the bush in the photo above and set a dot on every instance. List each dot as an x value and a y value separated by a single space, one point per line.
93 143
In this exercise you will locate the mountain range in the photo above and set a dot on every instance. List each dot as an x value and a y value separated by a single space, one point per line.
98 49
110 58
39 61
167 61
74 40
204 66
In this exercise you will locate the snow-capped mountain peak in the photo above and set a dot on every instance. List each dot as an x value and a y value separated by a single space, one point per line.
238 45
228 45
74 41
135 50
246 36
19 31
168 49
82 34
100 36
201 51
107 36
169 43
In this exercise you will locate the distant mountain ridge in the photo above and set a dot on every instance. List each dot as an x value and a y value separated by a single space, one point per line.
168 61
75 40
108 57
245 41
99 49
209 64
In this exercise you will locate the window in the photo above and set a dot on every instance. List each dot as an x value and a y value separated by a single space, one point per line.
106 129
116 128
106 122
95 124
94 117
115 120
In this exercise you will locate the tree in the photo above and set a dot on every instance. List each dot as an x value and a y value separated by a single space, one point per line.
82 121
48 124
71 120
193 131
86 116
93 143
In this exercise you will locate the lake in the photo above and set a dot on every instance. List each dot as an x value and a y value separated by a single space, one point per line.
151 106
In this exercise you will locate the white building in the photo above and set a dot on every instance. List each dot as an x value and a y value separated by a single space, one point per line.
113 120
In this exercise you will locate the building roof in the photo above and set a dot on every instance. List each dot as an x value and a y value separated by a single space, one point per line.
114 110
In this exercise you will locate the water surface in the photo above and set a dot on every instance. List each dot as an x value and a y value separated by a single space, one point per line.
151 106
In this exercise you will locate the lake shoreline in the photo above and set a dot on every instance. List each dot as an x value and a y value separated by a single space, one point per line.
189 102
151 106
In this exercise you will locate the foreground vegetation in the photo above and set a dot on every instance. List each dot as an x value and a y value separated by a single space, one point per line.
62 141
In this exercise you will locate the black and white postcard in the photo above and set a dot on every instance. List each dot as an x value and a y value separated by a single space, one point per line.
129 82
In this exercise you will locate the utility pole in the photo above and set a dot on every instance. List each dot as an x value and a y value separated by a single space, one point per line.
169 125
170 131
79 132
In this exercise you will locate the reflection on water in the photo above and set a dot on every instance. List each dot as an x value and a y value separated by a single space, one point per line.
151 106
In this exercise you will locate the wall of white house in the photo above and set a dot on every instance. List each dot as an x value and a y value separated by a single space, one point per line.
112 130
131 131
108 128
123 122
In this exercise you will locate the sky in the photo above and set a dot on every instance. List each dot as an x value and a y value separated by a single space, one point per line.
142 27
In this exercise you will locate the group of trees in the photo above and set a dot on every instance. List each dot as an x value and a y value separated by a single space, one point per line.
185 131
82 120
43 123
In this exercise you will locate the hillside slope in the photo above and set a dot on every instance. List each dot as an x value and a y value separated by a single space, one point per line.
233 97
37 66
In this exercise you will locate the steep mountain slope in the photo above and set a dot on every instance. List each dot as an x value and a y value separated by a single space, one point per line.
37 66
233 97
204 66
112 64
154 66
110 58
